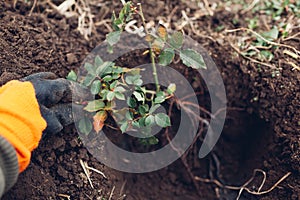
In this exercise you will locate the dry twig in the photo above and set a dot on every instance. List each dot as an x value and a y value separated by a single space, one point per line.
112 193
80 9
32 8
250 7
189 21
251 59
264 39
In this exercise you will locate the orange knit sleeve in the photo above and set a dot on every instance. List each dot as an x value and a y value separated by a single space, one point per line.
21 122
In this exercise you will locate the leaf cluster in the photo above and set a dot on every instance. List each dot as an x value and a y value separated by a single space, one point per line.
110 83
118 24
166 45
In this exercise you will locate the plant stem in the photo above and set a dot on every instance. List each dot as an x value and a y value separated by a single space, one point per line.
150 50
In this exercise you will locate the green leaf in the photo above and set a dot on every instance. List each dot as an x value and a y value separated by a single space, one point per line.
171 88
113 37
131 102
142 122
114 23
103 93
118 22
138 82
107 78
166 57
160 94
129 115
110 96
159 99
94 106
140 89
138 96
85 126
113 85
143 109
90 68
192 59
72 76
152 140
125 11
119 89
119 96
134 80
154 108
115 76
122 14
95 87
88 80
129 80
110 49
135 124
272 34
118 70
124 127
98 61
149 121
104 68
176 40
162 120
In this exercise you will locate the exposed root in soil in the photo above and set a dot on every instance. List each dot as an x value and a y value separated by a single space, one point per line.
195 119
195 179
86 173
86 169
65 196
244 186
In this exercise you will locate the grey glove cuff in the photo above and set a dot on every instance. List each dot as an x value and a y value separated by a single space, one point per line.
9 166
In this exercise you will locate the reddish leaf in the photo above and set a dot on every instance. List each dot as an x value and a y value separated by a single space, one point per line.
99 119
162 32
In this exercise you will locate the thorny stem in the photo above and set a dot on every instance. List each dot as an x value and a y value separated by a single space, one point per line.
150 50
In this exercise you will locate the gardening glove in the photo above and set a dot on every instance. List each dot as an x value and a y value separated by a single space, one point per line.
21 122
55 96
27 107
9 167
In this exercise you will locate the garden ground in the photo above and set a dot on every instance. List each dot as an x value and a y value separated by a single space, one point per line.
261 77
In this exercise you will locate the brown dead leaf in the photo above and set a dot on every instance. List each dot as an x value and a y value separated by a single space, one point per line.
99 119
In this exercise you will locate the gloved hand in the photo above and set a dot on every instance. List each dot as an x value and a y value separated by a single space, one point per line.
21 124
21 106
55 96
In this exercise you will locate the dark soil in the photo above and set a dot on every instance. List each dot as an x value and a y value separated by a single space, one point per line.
260 134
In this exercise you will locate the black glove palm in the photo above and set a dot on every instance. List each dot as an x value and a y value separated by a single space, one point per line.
55 96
